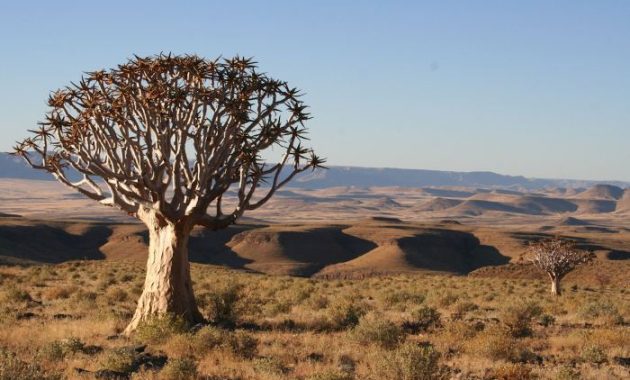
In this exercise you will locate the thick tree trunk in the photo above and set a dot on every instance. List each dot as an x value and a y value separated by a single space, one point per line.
168 286
555 286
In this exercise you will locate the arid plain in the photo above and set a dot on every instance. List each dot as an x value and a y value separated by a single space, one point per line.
327 284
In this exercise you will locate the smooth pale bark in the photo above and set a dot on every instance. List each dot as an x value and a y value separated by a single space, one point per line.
167 286
555 286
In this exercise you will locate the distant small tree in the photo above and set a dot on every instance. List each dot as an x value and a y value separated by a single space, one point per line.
557 258
177 142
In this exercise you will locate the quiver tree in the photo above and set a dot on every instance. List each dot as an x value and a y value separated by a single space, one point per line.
556 258
175 141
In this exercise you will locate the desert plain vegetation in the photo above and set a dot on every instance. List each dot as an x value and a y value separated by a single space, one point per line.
61 321
372 298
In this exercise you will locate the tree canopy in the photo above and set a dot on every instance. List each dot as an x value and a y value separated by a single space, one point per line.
172 134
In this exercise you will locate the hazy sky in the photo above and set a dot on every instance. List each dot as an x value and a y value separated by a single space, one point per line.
538 88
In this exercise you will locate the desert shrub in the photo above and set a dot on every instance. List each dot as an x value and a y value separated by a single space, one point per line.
567 372
105 282
331 375
605 311
59 292
398 297
610 338
318 302
490 297
115 295
57 350
319 323
546 320
423 318
593 354
512 372
122 359
158 329
222 305
410 361
347 363
301 294
243 344
126 277
286 324
456 333
84 296
72 345
446 299
494 343
15 294
179 369
462 308
269 365
53 351
345 314
374 329
209 337
279 306
4 277
518 318
239 343
12 368
181 345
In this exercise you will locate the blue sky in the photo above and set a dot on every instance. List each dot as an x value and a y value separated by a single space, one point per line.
538 88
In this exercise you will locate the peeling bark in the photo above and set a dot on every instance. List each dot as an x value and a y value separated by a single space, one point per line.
168 285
